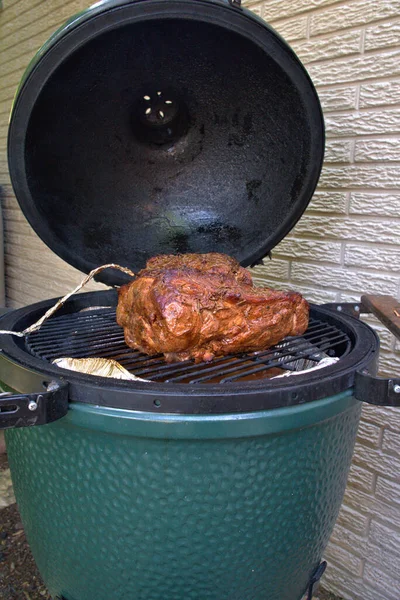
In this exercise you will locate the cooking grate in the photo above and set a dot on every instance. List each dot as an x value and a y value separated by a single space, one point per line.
95 333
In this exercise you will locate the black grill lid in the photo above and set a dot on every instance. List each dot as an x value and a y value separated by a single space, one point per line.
164 126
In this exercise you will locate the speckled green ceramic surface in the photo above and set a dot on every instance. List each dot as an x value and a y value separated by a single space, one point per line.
123 505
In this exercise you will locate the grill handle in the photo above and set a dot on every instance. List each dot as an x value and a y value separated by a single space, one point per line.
386 309
379 391
368 388
27 410
376 390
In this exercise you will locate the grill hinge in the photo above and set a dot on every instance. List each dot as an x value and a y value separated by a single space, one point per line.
27 410
376 390
354 309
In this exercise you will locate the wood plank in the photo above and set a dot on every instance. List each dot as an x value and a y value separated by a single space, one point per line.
386 308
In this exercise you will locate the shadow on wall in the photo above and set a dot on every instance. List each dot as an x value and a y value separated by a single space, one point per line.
2 287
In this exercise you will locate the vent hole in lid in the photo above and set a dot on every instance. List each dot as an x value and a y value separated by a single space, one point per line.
159 117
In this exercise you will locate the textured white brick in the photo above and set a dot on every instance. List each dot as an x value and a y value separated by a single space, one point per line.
344 279
318 296
14 215
372 506
389 365
355 69
275 268
257 8
365 122
5 108
276 9
345 558
378 461
11 66
388 490
357 589
309 250
340 98
7 92
350 587
382 35
378 203
13 10
360 477
26 21
385 417
379 94
325 48
39 18
382 581
56 267
373 257
369 434
291 29
391 443
17 297
329 202
382 231
385 337
341 583
358 12
4 171
11 80
377 150
26 49
355 176
349 539
379 556
337 151
353 520
386 538
36 277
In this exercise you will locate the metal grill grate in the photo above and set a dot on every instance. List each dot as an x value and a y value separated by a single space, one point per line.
95 333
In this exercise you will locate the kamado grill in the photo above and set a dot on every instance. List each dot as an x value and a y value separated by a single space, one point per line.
173 126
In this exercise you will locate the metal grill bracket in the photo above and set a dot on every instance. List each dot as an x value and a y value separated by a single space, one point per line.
27 410
376 390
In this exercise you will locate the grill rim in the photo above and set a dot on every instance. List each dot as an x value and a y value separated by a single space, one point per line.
184 398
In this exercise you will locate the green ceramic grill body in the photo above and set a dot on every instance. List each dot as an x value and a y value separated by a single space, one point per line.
120 504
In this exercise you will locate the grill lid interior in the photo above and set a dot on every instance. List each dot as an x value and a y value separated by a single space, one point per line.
163 127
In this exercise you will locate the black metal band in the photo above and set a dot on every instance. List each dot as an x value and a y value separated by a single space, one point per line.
319 571
27 410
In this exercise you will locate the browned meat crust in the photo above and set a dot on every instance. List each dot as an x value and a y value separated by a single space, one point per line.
204 305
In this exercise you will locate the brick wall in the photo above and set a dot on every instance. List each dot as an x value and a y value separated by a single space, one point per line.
347 242
33 272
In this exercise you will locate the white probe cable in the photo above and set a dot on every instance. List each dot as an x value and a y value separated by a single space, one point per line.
36 326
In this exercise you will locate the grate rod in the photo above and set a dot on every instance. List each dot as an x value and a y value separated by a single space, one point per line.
277 363
267 355
170 369
96 334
